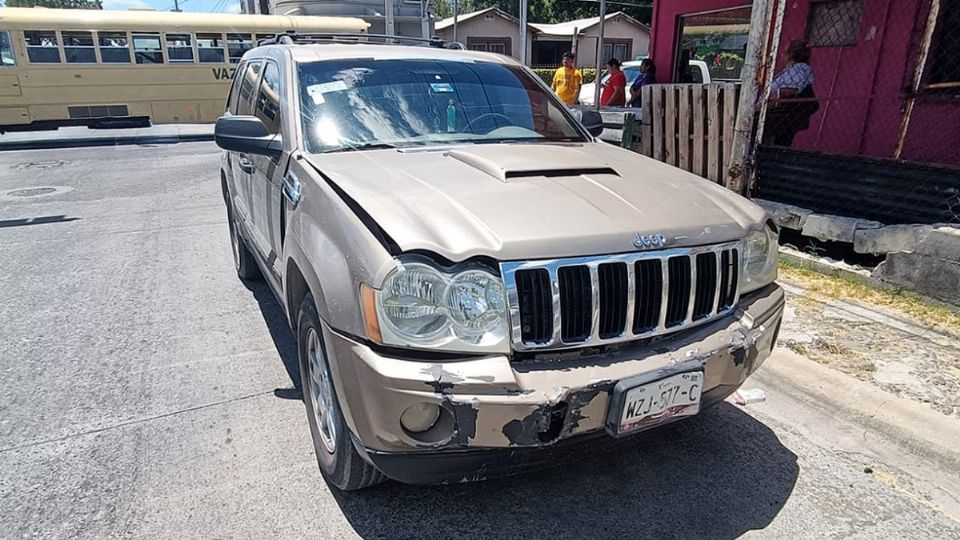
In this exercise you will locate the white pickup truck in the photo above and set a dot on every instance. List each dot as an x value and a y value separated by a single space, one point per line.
699 74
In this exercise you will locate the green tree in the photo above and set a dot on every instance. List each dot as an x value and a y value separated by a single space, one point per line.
73 4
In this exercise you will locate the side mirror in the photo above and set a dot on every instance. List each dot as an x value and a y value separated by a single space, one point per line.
248 135
592 120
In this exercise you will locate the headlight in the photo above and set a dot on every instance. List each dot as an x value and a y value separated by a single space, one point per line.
422 306
760 255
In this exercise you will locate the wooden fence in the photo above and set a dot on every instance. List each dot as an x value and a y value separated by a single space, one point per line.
689 126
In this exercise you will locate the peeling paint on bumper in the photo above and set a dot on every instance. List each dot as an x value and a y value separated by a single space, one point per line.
494 403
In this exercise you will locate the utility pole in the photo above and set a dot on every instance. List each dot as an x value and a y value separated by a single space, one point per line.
425 19
523 32
388 19
596 81
456 12
736 177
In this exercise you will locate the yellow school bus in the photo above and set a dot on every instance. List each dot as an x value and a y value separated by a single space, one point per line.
108 68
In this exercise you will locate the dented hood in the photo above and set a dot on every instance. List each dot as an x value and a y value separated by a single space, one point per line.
531 201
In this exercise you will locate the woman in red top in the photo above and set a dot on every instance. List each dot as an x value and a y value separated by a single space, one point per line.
614 90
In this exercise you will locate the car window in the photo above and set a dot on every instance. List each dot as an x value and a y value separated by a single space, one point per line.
351 103
248 83
268 98
696 76
235 89
632 73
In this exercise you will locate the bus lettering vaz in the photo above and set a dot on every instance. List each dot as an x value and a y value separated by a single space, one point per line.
96 68
224 74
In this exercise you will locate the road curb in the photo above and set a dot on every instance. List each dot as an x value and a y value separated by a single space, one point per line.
46 144
882 428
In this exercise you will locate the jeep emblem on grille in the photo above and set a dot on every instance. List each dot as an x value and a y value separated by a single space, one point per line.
647 241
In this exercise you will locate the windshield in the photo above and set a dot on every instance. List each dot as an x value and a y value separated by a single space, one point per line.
351 104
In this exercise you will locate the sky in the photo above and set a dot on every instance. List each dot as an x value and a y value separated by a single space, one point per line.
213 6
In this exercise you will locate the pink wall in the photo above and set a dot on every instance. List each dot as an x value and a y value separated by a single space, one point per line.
861 88
665 21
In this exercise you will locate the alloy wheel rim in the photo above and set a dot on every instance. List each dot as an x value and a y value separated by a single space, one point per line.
321 392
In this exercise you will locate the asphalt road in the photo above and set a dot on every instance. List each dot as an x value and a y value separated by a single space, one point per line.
146 392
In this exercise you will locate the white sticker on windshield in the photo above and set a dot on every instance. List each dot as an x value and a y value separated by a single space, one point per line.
441 87
316 91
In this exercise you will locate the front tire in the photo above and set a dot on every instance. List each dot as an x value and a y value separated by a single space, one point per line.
336 455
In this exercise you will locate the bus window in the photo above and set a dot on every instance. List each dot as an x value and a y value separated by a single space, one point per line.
247 86
268 100
42 46
237 44
179 48
146 48
261 37
78 48
6 50
114 48
210 48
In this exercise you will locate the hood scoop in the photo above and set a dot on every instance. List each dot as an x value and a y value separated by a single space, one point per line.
511 162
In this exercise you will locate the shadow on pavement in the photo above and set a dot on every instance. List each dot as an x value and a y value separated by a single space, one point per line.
6 223
281 334
718 475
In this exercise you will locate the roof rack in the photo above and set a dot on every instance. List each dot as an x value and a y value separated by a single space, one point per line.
292 37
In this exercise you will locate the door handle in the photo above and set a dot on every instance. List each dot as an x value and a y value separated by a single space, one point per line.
291 189
245 164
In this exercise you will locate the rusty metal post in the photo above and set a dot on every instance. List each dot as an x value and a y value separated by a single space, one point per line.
736 176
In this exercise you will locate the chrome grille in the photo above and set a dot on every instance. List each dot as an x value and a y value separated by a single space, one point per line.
564 303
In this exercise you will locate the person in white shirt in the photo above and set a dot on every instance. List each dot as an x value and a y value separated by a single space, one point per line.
792 100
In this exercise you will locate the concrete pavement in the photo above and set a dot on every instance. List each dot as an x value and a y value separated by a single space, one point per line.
146 392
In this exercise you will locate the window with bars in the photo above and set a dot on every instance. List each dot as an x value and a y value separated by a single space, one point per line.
834 23
944 61
493 45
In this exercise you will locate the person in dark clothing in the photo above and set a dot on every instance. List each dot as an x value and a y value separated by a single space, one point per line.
792 100
648 75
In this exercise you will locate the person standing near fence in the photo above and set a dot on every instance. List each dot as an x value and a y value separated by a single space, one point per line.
567 80
648 75
615 89
792 100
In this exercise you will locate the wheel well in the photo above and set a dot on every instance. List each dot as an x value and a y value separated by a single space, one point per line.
296 289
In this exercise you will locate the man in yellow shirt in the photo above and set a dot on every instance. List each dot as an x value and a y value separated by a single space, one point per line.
566 80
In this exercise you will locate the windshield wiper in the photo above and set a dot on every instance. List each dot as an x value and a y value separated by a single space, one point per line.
362 146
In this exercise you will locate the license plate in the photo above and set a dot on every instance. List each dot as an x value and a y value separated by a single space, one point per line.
660 401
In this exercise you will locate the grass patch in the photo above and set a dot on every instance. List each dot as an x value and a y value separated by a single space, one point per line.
916 307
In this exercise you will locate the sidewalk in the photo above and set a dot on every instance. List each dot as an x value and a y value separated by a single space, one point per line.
81 136
896 351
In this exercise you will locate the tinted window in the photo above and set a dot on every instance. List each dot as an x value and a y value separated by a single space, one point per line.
146 47
114 47
42 46
350 103
268 99
78 48
247 85
210 48
234 89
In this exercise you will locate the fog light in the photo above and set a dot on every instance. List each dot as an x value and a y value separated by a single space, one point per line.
420 417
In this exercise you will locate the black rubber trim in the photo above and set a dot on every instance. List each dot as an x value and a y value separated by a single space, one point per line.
381 235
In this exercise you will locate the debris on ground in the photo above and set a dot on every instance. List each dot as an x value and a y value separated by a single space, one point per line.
743 396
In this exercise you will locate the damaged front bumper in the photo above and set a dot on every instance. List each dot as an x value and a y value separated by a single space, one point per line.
499 413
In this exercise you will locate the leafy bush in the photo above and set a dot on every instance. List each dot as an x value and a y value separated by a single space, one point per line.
589 74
